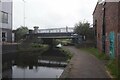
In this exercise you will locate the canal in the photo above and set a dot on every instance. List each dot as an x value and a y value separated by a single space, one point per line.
49 64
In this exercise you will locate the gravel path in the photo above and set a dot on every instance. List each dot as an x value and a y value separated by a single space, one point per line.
84 65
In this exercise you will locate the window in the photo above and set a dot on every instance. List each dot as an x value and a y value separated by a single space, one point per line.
95 27
4 36
4 17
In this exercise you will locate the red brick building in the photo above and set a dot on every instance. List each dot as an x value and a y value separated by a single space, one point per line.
106 21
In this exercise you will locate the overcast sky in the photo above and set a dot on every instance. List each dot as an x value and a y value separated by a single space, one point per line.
52 13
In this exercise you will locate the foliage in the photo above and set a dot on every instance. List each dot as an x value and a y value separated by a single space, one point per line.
112 67
83 28
20 32
95 52
68 54
63 41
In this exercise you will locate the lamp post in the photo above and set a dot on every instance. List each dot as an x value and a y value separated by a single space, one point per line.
24 26
24 13
0 41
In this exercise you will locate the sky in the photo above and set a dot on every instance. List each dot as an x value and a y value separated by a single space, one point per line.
52 13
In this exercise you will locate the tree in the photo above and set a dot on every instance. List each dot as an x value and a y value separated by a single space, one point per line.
20 32
83 29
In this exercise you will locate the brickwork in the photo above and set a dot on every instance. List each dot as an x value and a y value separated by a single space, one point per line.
112 24
98 18
119 19
119 32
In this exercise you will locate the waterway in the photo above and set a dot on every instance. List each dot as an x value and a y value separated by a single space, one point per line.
49 64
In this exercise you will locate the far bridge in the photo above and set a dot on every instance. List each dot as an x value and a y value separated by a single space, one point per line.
54 33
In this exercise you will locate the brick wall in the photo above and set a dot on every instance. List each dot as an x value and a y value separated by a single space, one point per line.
119 19
112 23
118 42
97 17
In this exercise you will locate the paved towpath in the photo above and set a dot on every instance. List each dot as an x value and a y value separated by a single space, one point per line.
84 65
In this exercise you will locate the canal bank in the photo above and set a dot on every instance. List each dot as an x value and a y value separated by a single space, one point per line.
9 48
84 65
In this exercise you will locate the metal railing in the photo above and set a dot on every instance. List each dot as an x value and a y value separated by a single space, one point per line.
56 30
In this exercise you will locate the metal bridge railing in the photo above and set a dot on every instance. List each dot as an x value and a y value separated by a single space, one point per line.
56 30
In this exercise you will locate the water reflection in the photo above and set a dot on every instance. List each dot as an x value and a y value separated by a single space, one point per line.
25 65
39 72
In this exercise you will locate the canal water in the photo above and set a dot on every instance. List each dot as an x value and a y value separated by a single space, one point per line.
49 64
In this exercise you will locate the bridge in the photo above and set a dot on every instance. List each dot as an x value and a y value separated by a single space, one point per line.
54 30
54 33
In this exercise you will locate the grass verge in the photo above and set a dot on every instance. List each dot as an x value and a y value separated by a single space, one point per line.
67 53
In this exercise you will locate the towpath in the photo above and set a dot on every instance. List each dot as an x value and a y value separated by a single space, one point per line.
84 65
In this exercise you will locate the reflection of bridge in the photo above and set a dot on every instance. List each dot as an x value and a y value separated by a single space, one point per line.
52 61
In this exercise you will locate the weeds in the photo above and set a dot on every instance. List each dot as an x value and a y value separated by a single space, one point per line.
67 53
